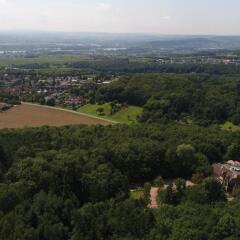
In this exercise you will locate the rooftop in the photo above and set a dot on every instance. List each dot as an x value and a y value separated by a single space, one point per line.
233 166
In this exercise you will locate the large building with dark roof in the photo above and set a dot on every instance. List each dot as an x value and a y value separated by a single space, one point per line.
228 174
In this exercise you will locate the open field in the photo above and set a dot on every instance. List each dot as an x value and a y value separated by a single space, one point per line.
28 115
61 59
126 115
136 194
57 70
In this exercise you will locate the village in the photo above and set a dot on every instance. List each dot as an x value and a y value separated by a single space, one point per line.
69 91
201 59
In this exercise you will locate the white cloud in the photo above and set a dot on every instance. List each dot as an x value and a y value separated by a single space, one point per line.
45 14
103 7
166 17
3 2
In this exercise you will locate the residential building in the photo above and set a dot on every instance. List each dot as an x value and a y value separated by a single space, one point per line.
228 174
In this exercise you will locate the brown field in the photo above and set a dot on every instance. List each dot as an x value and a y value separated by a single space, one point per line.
27 115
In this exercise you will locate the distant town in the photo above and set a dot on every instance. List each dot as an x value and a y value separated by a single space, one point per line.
68 91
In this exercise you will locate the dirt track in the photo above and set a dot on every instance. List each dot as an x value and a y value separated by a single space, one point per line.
153 198
27 115
154 193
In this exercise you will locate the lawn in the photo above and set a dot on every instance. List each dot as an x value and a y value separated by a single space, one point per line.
136 194
126 115
61 59
58 70
230 127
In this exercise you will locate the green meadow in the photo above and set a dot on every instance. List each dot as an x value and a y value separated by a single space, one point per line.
127 115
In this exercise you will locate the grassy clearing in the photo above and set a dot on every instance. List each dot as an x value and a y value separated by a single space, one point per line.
228 126
136 194
59 70
125 116
61 59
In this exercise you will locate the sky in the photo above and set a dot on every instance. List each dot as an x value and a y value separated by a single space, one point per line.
216 17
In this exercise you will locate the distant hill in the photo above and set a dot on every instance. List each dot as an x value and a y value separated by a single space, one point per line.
190 43
199 43
132 42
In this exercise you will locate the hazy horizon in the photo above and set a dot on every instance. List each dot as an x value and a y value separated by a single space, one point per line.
22 31
165 17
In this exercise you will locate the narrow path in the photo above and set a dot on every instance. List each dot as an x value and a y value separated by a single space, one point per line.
70 111
154 195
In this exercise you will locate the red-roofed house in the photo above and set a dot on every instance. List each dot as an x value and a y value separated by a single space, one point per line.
228 174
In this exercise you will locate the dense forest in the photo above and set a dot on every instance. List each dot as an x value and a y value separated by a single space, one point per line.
165 97
123 66
73 183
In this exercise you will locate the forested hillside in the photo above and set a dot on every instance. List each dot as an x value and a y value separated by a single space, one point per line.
123 66
76 182
73 182
202 98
